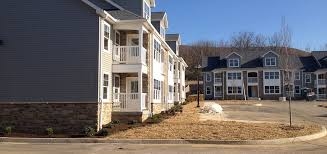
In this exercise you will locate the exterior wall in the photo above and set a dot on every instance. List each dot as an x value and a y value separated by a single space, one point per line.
68 118
49 51
182 78
135 6
106 113
233 56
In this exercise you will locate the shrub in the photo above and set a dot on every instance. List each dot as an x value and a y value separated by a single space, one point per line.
115 122
49 131
156 118
103 132
8 130
89 131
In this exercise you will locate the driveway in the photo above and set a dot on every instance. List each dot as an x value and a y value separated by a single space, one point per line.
269 111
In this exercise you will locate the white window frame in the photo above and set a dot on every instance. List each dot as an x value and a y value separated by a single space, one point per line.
236 76
171 63
105 24
270 60
208 77
299 89
297 75
271 75
163 32
210 90
232 61
235 90
105 86
269 93
157 50
306 77
146 15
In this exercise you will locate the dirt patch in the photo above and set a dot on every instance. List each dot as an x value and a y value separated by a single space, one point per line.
187 125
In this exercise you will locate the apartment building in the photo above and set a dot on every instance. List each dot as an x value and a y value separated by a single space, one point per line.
70 64
264 74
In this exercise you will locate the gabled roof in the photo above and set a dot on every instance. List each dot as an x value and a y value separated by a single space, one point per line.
321 57
160 16
172 37
309 64
232 54
271 52
213 63
124 15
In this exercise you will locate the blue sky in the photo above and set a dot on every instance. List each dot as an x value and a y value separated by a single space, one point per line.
219 19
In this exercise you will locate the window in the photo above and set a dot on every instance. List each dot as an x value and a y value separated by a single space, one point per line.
208 77
105 86
234 76
297 76
117 38
106 36
272 89
307 78
171 64
271 75
218 91
297 89
162 31
218 77
270 61
208 90
234 90
234 62
157 51
157 89
146 11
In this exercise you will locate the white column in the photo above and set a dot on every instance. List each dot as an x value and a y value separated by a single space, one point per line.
140 42
140 89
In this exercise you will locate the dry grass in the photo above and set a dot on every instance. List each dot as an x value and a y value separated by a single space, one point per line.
187 125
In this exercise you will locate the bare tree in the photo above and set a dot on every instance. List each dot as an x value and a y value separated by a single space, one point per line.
243 40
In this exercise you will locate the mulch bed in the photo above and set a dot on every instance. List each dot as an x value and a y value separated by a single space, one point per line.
187 125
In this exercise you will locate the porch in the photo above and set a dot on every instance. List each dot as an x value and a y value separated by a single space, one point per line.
130 92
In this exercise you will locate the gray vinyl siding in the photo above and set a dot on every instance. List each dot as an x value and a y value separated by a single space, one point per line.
135 6
270 54
50 51
172 45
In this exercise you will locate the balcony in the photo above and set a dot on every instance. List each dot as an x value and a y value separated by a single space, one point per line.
218 94
321 82
321 96
218 81
130 55
129 102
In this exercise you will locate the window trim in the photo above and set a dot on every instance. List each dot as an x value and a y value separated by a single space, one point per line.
145 4
295 89
228 93
208 75
207 90
269 93
270 58
103 86
236 77
297 74
307 78
104 37
271 75
234 59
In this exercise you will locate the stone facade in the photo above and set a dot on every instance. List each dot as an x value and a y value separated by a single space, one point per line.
67 118
157 108
106 113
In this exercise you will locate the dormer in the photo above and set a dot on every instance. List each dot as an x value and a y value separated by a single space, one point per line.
139 7
270 59
160 21
233 60
174 41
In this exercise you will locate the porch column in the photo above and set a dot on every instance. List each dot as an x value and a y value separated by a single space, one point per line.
141 43
317 85
140 89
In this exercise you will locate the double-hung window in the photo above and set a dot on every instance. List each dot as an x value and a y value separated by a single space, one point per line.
171 64
157 89
106 36
208 90
208 77
271 75
234 76
234 90
105 86
270 61
157 51
146 11
162 31
272 89
307 78
297 76
234 62
297 90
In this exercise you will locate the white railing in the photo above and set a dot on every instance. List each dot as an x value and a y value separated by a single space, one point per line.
252 80
321 96
218 80
129 54
321 82
129 102
219 94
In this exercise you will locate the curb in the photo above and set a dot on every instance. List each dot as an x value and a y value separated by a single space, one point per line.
318 135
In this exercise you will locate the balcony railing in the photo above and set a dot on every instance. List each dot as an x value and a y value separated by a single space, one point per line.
218 80
130 54
128 102
321 96
219 94
252 80
321 81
